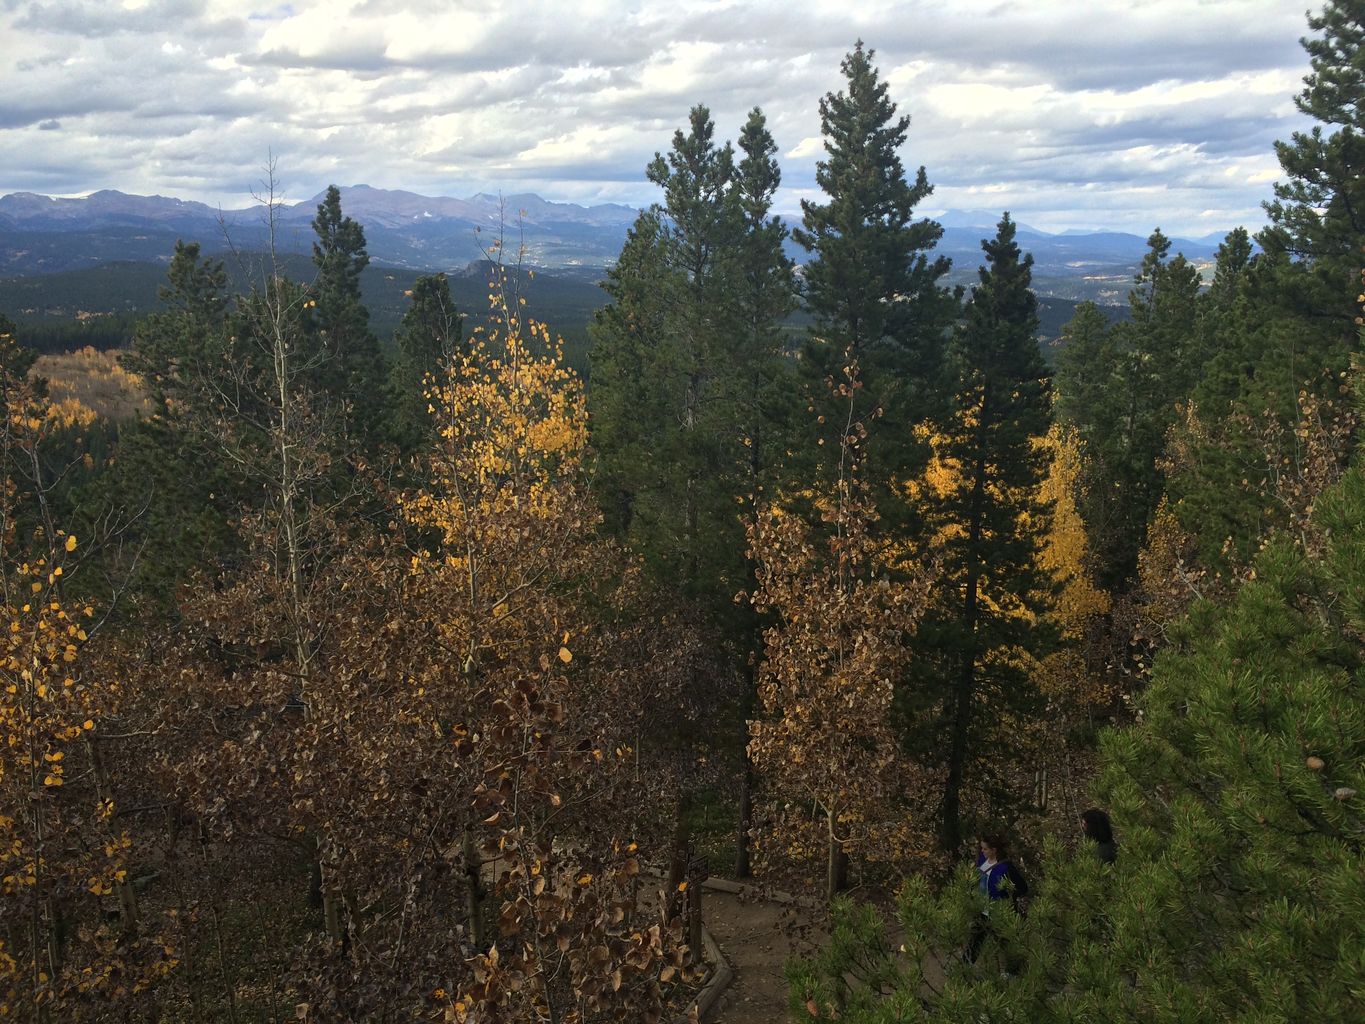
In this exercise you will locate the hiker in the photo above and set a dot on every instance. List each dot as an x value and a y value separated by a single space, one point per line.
999 880
1096 827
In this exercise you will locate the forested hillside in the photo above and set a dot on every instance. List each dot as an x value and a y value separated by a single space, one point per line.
380 651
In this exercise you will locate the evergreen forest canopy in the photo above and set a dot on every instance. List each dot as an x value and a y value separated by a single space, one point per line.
355 682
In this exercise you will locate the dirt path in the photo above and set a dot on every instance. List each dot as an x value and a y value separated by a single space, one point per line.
758 937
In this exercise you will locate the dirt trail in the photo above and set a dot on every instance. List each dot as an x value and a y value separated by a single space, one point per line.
758 937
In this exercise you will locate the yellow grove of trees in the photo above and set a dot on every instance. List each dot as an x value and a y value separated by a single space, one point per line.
1078 603
836 645
89 383
63 853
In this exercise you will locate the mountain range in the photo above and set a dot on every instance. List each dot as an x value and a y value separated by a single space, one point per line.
41 234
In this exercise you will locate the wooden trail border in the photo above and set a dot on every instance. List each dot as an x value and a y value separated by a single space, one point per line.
720 976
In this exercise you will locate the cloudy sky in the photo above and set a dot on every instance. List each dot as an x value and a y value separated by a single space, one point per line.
1070 113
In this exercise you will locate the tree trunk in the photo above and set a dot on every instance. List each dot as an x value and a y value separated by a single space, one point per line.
957 754
743 869
331 917
473 892
746 778
966 680
836 870
677 866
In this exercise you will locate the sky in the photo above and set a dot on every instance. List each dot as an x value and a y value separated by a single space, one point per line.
1068 113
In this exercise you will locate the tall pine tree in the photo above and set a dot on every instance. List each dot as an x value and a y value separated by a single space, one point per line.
989 520
350 366
765 296
872 284
691 385
429 337
664 395
1318 214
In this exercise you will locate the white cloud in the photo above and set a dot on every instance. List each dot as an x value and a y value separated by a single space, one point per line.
1103 113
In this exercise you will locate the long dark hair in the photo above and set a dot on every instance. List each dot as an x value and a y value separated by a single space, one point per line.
1097 826
996 842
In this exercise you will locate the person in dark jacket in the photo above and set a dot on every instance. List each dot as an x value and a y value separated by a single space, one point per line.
1096 827
997 869
999 880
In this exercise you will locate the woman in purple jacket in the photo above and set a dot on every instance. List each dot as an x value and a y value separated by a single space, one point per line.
997 869
999 880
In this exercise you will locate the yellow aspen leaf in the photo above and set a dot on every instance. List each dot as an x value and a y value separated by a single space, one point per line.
565 655
71 543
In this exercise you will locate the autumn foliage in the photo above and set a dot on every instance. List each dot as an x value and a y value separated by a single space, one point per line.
838 643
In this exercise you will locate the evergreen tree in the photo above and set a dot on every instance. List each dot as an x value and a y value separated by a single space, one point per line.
872 284
429 337
989 521
350 366
668 425
1163 307
1318 215
691 383
1230 267
179 339
765 297
1084 362
1228 323
624 400
1121 389
171 484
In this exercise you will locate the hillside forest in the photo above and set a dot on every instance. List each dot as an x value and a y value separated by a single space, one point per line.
424 677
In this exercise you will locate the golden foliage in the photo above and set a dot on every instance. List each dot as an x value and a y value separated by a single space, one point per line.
63 854
1071 683
455 750
89 383
1065 549
826 685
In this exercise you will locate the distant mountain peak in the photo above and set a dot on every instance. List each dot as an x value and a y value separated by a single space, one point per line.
985 221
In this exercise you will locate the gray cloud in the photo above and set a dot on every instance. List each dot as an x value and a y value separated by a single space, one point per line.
1106 113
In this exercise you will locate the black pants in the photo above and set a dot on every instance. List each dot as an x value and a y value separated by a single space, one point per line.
980 929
